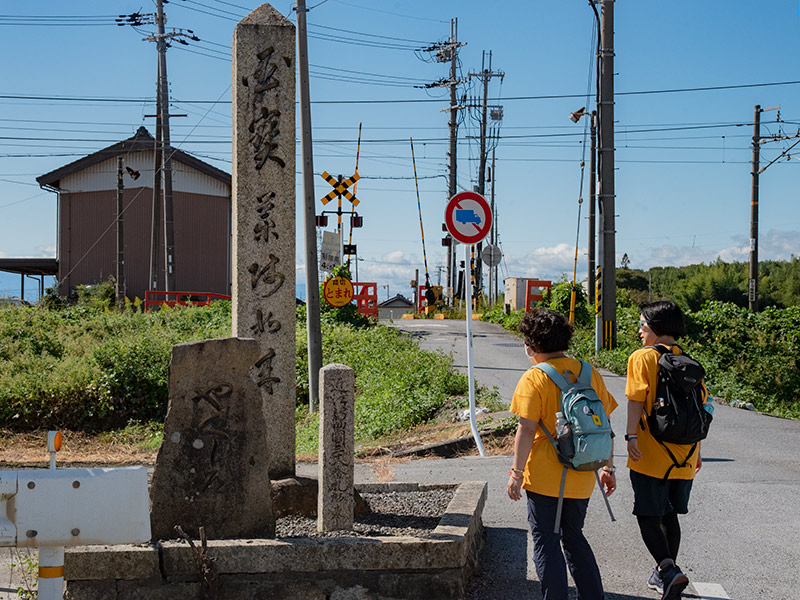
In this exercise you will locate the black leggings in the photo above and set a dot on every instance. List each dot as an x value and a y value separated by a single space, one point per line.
661 535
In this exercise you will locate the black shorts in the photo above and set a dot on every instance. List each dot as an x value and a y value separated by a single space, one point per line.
654 497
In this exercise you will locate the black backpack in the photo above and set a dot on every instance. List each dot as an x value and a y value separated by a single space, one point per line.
678 415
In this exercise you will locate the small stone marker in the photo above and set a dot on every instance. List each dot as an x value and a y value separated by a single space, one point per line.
264 216
336 431
211 469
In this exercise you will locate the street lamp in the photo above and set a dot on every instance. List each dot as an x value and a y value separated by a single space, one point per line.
590 280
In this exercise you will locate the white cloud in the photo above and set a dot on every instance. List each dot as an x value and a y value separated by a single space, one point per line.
772 245
48 251
543 263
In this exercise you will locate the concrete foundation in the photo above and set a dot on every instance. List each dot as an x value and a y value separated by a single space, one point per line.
343 568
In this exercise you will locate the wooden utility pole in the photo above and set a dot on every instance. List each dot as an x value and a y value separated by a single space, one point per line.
155 237
313 326
607 194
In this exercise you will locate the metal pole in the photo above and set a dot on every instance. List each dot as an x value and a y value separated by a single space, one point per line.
120 247
592 201
169 232
473 425
313 326
607 191
486 75
493 241
752 292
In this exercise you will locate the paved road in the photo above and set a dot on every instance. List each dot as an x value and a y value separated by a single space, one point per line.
740 539
743 531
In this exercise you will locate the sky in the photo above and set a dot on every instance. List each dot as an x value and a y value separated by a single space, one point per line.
683 150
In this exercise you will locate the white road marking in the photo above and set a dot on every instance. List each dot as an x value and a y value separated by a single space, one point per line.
710 591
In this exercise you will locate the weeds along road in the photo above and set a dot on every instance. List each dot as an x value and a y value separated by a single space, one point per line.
499 358
741 538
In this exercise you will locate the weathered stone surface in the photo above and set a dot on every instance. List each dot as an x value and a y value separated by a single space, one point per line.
264 216
97 562
380 568
336 432
298 496
212 466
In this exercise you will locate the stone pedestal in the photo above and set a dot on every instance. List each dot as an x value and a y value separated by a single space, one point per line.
336 432
264 216
212 466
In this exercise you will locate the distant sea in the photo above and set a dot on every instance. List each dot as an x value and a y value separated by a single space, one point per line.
10 287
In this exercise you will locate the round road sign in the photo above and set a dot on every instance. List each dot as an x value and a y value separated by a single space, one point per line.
491 255
338 291
468 217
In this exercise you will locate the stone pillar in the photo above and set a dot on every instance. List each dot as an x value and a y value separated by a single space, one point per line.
336 431
264 216
211 464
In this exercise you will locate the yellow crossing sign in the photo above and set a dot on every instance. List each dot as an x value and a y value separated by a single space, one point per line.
340 188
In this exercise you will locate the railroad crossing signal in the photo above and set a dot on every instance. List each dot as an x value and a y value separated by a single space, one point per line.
340 188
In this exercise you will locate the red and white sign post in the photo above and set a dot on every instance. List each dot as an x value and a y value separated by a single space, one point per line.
468 219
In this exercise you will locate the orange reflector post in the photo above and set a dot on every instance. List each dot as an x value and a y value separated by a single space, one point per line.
57 441
51 572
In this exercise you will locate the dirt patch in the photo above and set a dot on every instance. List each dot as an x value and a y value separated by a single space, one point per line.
82 449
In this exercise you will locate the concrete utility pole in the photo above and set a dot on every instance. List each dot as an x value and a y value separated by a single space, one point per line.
155 238
607 194
313 327
485 76
752 293
442 53
166 153
592 205
120 236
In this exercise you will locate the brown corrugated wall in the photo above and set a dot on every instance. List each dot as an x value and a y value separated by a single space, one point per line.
88 240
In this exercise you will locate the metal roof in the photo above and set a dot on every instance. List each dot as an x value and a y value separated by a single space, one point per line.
141 141
30 266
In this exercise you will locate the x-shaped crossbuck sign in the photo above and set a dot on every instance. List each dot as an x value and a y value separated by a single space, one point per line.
340 188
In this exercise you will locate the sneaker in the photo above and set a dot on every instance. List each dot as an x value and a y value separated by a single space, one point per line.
673 579
655 583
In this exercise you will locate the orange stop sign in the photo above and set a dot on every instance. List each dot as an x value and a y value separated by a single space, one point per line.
338 291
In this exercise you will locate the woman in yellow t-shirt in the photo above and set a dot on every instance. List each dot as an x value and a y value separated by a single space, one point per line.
661 485
537 470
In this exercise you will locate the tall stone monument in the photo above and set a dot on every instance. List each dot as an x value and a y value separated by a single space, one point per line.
264 216
211 464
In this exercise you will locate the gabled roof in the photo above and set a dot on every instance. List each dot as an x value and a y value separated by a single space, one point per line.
399 301
141 141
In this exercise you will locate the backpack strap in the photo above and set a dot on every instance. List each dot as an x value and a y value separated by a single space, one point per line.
586 373
553 374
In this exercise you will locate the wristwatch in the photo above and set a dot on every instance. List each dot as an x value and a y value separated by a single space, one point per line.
610 469
632 436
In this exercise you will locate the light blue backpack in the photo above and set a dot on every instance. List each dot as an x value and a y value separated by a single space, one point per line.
584 444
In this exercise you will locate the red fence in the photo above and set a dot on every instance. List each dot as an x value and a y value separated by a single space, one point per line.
366 298
530 298
156 299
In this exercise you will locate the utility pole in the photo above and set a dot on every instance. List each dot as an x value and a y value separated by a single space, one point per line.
485 76
166 153
313 327
592 204
155 237
607 194
442 53
163 149
120 237
493 240
752 293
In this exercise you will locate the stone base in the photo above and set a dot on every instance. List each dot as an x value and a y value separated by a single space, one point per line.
380 568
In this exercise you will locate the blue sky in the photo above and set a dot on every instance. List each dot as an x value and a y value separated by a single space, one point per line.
683 157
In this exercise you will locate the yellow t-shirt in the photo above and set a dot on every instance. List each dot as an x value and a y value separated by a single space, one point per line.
641 387
538 397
